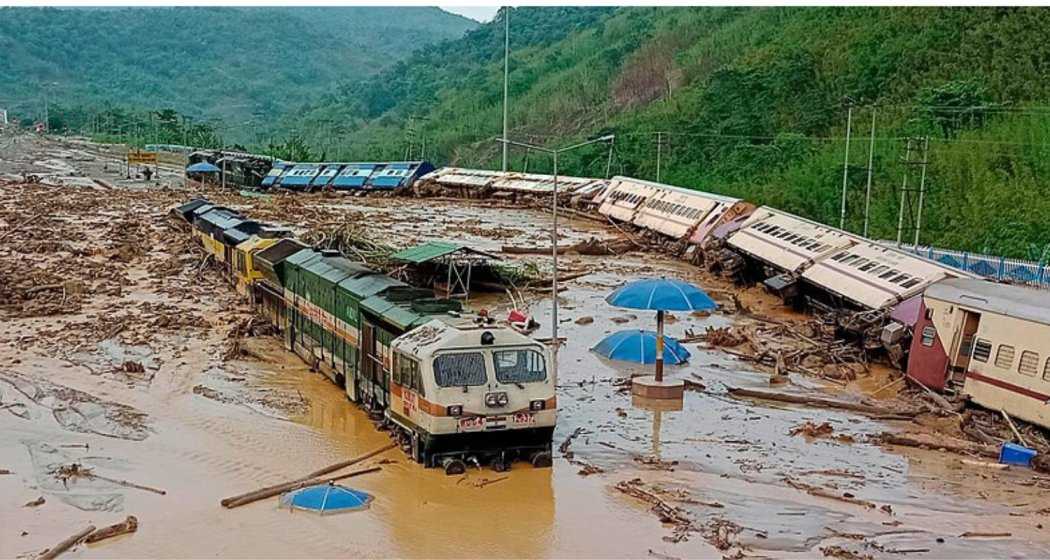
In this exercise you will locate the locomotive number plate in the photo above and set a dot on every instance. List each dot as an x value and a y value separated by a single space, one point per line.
472 423
524 418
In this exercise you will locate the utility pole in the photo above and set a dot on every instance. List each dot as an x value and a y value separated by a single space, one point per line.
871 159
659 153
845 166
506 77
922 188
904 193
907 204
47 115
608 162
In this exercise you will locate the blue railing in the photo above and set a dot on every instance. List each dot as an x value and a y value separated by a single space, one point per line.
998 268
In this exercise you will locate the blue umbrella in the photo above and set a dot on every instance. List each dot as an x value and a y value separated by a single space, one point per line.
326 498
202 167
639 346
661 294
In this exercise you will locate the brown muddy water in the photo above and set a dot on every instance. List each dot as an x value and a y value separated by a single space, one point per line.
203 429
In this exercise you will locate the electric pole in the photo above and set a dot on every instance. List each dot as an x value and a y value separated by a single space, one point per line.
871 158
845 167
506 77
659 153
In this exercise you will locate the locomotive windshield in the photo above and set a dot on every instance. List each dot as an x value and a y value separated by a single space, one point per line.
519 366
461 369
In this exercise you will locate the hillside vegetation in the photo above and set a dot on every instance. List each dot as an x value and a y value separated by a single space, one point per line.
231 63
751 102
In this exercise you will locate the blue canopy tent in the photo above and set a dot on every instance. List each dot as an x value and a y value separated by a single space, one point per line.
661 294
326 498
639 346
202 167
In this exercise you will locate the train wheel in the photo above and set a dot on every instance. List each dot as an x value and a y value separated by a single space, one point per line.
417 454
500 465
453 466
541 460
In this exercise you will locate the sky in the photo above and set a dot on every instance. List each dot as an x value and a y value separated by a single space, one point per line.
478 13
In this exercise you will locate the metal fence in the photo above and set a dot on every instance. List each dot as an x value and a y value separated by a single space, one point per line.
999 268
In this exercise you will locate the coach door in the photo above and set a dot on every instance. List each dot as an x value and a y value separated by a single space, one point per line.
963 350
371 366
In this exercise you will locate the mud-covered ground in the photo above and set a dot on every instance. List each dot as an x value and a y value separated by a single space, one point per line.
121 351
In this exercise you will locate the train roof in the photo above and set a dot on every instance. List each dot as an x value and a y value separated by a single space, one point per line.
1003 299
876 276
450 333
186 210
280 251
367 285
270 260
217 220
335 268
511 180
673 188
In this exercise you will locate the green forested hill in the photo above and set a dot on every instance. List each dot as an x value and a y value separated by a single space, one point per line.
233 63
751 102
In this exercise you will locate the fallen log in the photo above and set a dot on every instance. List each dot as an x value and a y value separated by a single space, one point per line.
344 464
67 544
940 400
590 247
947 443
1013 428
272 491
985 464
889 414
127 484
129 525
564 447
20 225
312 478
822 493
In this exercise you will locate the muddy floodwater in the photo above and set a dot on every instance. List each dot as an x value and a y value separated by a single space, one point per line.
200 427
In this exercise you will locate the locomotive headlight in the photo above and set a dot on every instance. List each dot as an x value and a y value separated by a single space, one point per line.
454 410
503 399
494 400
537 405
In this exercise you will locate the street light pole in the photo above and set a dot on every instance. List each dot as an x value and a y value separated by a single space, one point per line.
554 259
554 231
506 76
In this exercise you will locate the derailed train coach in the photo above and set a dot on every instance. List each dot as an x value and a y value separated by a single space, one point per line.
477 183
340 176
859 283
989 341
695 217
454 388
850 270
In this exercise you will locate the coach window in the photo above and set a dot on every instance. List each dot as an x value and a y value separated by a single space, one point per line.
929 333
1029 363
981 350
1004 358
1046 370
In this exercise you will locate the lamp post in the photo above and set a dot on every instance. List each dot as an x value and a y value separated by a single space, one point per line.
506 77
554 227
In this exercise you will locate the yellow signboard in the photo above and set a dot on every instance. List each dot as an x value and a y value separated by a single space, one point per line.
142 158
